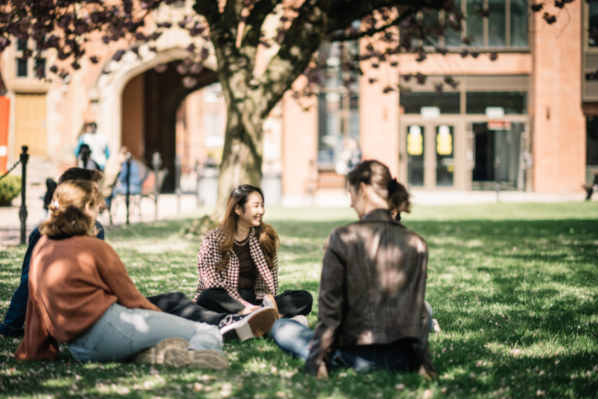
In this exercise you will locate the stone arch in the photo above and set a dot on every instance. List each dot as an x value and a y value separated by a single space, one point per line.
153 117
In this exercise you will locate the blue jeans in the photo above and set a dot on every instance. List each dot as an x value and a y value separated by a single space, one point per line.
120 333
294 339
15 315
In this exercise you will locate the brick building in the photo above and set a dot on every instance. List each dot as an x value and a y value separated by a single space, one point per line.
528 120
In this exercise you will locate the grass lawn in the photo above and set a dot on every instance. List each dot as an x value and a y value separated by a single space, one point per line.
514 287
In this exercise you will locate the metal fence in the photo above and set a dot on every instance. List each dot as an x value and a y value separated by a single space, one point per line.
23 159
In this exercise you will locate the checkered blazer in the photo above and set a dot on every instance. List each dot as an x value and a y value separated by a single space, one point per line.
210 256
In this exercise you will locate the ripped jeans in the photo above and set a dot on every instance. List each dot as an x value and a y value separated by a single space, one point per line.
121 332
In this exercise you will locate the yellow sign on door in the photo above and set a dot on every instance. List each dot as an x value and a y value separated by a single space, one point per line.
415 141
444 141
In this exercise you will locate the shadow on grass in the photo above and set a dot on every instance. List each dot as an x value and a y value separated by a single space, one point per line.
527 284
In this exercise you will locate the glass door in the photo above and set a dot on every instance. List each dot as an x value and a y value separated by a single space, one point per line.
415 155
445 161
497 154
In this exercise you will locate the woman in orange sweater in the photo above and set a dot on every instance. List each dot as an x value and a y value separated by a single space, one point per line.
80 293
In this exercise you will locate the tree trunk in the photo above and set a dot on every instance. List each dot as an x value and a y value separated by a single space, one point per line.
241 155
250 99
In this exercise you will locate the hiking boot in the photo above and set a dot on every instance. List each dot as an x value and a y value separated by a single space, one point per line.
244 327
207 359
155 355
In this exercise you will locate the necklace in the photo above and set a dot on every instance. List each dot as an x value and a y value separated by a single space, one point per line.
242 243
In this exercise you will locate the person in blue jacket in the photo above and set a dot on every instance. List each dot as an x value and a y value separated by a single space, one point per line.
137 174
97 144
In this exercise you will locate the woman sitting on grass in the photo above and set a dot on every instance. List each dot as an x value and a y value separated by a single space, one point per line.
372 314
238 264
80 293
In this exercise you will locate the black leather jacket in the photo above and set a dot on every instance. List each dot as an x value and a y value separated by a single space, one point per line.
372 288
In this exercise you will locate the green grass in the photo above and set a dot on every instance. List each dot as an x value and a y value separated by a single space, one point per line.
502 279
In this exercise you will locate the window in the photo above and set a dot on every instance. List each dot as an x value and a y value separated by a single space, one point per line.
445 163
22 65
474 95
505 27
590 55
338 108
592 140
415 155
497 23
593 23
474 22
511 102
214 115
40 67
431 18
214 124
21 45
448 102
518 24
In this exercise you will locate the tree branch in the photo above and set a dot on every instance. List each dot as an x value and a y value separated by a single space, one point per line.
232 13
209 9
342 37
343 13
253 28
302 39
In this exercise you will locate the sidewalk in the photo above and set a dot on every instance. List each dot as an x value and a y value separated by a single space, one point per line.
338 198
168 208
490 197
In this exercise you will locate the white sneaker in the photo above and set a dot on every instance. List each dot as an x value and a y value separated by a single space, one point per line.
207 359
435 325
245 327
301 320
155 354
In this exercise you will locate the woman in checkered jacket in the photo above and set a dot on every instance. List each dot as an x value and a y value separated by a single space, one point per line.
238 264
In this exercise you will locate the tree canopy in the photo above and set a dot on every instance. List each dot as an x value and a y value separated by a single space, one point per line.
382 29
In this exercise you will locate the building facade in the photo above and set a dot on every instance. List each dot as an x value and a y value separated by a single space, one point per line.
527 121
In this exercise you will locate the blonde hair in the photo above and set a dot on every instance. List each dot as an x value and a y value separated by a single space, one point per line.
67 213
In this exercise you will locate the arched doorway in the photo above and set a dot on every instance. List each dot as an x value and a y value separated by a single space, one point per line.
149 113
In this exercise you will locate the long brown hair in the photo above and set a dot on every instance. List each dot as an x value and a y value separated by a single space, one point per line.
267 236
67 213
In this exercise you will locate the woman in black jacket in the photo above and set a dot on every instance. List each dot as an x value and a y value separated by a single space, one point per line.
372 314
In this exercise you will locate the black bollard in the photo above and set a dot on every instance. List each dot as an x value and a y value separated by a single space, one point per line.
23 210
156 163
127 198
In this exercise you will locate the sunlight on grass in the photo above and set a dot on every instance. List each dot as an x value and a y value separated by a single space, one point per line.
514 287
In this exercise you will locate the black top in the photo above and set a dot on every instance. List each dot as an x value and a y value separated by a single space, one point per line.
247 268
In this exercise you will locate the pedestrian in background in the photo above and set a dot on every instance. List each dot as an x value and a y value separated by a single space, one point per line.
130 168
50 188
84 158
349 157
97 143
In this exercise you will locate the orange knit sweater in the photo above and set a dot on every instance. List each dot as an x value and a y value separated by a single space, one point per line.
72 282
